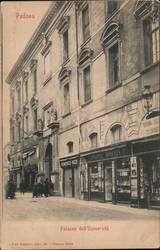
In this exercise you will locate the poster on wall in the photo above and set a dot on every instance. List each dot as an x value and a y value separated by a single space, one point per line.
65 68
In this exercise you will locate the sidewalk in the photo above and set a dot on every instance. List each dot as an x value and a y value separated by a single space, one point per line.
96 204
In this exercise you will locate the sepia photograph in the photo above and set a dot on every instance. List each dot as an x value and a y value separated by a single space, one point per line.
80 124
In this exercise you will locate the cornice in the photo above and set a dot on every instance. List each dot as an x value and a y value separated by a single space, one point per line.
37 36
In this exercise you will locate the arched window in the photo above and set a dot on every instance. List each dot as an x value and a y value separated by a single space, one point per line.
70 147
116 133
93 140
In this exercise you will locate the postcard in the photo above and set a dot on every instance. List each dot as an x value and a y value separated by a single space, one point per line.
80 124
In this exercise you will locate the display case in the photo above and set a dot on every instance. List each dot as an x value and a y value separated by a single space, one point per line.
123 180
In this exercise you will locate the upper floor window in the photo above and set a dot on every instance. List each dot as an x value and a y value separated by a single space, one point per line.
18 131
116 133
111 44
35 119
66 98
147 13
93 140
65 45
70 147
113 66
151 41
12 104
112 6
47 64
26 90
33 68
87 84
85 23
19 97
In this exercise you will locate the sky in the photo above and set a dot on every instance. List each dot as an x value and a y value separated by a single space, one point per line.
16 33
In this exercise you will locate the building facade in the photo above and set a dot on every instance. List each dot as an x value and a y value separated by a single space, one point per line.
85 102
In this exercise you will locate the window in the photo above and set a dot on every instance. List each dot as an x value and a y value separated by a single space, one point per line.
93 140
151 41
65 45
12 107
26 90
47 64
18 131
116 133
35 119
85 23
12 134
112 6
113 66
87 84
19 97
26 124
70 147
66 99
35 81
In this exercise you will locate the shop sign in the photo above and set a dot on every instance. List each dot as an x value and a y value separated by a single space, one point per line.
70 163
149 127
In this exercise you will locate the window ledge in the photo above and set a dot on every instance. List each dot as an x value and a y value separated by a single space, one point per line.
47 79
67 114
85 42
149 67
86 103
112 89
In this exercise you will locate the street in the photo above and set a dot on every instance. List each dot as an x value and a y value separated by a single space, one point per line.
24 207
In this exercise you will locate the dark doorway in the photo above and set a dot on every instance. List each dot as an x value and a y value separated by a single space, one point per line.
48 161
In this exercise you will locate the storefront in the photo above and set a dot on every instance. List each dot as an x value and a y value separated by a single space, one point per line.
147 154
106 174
70 168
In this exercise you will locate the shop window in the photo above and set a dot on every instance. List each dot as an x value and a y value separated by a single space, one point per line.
66 98
96 179
65 45
87 84
116 133
151 41
93 140
70 147
85 23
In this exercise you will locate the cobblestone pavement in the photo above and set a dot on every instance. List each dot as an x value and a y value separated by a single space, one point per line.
60 208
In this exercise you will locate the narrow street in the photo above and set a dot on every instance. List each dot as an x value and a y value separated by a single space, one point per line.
24 207
65 223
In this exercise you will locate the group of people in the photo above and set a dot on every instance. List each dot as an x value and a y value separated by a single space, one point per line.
10 189
43 188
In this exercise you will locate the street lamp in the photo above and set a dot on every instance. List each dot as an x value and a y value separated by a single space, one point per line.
147 96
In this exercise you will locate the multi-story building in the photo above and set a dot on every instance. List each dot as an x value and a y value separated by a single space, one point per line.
85 108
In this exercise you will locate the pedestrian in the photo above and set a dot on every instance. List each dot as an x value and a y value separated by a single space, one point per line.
11 189
40 189
51 188
46 187
22 187
35 190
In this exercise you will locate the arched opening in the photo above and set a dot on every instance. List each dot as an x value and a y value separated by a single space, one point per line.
48 160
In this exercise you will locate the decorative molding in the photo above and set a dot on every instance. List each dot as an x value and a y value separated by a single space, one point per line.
64 74
48 105
84 55
46 48
110 33
18 116
63 24
18 84
34 102
25 75
145 8
25 108
33 64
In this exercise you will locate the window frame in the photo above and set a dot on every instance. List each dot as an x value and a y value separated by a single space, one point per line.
70 147
66 84
86 7
116 127
84 83
65 45
93 136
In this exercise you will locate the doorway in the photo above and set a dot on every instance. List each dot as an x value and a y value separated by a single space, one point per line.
48 161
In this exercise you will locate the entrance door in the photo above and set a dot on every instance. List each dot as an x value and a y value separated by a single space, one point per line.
69 182
48 161
108 184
